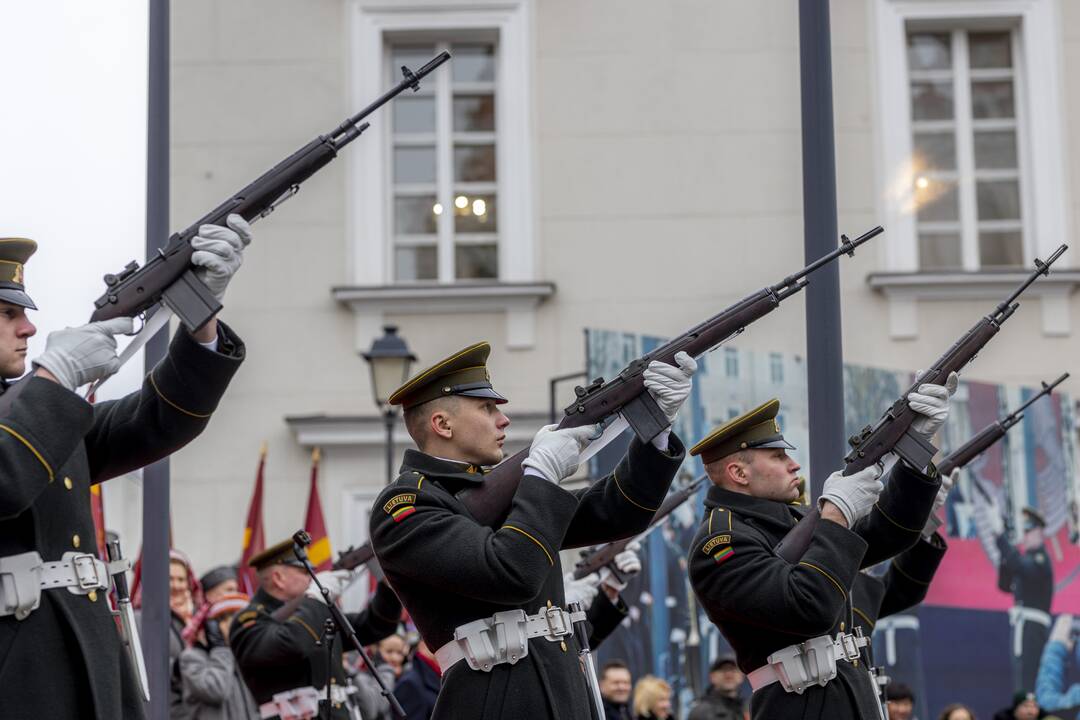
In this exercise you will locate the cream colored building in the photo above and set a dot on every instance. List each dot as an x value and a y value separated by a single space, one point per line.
622 164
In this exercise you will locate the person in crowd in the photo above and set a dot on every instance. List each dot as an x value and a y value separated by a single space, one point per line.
426 539
652 699
391 651
219 582
900 699
1024 707
1052 691
721 700
616 685
211 685
185 595
418 688
278 639
956 711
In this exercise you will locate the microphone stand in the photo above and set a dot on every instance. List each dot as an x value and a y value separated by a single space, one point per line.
300 541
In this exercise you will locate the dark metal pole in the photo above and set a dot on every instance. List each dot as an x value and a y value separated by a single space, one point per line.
155 552
390 416
824 354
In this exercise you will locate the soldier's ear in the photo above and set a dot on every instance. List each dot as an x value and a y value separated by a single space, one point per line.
441 425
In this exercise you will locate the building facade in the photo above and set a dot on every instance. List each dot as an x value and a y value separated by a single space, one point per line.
633 166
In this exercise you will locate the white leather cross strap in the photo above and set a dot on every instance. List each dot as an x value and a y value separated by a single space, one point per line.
504 637
24 576
813 662
300 703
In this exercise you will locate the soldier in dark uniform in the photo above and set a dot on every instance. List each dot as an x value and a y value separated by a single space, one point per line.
766 607
60 653
1029 576
278 639
453 574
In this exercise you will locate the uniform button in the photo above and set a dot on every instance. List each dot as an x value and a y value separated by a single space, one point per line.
92 596
562 644
67 483
75 540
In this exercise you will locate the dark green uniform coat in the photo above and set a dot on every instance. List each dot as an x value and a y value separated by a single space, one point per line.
276 656
449 570
762 604
66 659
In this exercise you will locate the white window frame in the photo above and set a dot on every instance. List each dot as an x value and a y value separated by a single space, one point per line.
1039 108
370 164
1040 143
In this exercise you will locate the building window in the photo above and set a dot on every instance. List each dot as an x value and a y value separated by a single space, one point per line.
731 362
966 164
445 203
776 368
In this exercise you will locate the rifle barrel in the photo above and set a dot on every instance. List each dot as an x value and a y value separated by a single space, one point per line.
1041 268
847 247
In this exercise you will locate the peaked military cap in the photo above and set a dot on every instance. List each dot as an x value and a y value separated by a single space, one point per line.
756 429
280 554
1032 518
463 373
14 252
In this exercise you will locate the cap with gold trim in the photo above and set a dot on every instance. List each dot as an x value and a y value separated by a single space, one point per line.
755 430
463 373
279 554
14 252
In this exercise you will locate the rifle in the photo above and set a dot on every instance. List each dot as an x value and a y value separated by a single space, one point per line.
892 433
625 395
168 276
990 434
349 559
593 560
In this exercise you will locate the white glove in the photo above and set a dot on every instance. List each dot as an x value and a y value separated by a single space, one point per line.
336 581
932 403
932 522
670 385
554 454
854 495
627 564
77 356
219 252
582 591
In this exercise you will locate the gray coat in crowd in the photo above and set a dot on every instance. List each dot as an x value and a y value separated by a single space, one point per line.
212 687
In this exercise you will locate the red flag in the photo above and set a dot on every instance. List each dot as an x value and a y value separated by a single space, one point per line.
319 551
97 512
254 537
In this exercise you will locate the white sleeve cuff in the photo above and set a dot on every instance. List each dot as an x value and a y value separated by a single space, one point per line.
212 345
660 442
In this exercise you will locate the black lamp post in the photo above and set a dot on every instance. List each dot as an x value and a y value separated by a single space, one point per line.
390 360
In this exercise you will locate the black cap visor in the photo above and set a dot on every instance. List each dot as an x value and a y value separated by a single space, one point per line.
480 390
768 443
17 297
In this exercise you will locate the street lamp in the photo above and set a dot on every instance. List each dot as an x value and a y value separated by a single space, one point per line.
390 360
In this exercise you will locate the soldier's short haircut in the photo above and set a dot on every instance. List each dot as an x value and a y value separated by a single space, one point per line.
416 418
613 665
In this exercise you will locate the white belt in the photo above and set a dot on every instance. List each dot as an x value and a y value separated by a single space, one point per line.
504 637
813 662
301 702
1018 615
24 576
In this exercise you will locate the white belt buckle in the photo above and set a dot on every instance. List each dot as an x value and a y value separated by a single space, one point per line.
87 581
558 623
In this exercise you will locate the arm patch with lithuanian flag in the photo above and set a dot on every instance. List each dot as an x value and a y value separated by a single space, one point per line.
400 506
719 548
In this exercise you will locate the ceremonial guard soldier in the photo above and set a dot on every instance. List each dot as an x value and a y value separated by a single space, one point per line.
279 640
60 653
784 620
489 600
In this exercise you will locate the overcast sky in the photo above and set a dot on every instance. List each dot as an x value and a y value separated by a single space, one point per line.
73 150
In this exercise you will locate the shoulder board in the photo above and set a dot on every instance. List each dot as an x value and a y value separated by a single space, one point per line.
247 615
